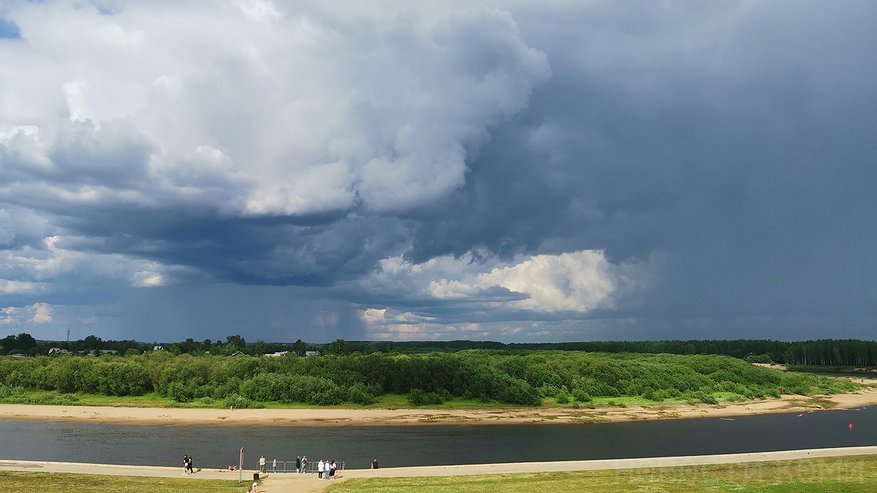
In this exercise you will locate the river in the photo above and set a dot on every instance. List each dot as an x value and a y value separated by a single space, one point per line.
414 445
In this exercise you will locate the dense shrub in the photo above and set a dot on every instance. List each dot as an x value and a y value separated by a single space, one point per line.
581 396
420 398
237 401
181 392
513 377
360 393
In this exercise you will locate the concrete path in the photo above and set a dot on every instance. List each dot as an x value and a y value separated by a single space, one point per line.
596 465
308 483
279 483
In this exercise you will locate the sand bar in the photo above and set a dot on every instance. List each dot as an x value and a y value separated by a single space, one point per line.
330 416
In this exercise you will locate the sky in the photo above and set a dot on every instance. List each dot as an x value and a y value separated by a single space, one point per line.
521 170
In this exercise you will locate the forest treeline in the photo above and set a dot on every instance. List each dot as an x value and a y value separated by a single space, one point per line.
511 377
824 352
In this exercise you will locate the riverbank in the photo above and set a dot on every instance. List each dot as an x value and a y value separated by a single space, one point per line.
421 416
776 474
823 464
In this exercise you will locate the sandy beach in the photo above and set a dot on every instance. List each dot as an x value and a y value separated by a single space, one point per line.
421 416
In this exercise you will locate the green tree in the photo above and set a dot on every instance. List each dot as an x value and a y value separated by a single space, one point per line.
91 342
299 347
237 342
338 346
8 343
25 342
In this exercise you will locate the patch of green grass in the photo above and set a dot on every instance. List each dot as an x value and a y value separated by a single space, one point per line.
154 399
386 401
151 399
631 401
86 483
832 475
393 401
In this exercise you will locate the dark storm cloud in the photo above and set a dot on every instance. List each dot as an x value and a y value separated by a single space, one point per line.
734 141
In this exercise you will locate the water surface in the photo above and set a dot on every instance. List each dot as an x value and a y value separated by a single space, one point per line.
215 446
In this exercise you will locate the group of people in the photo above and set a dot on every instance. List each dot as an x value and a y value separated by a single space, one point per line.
187 465
326 469
301 464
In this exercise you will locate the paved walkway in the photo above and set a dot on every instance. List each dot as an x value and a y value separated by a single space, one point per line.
308 483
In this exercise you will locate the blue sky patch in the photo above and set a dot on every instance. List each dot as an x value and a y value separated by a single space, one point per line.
8 29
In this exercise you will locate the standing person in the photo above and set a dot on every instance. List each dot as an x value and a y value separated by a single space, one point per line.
321 467
189 468
298 464
186 464
332 470
274 466
262 464
304 464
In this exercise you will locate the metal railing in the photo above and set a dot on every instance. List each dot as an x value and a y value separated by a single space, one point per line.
288 466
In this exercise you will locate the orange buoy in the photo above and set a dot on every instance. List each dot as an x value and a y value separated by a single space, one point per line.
850 426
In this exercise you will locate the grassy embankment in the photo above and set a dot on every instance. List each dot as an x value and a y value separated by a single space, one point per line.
87 483
832 475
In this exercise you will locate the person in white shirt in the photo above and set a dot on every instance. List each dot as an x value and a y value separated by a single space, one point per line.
321 467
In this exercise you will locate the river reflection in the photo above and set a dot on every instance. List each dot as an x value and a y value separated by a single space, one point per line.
215 446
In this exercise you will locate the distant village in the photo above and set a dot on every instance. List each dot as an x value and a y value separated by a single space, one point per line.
24 345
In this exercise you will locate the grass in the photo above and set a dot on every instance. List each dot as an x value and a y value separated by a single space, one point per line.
154 399
87 483
832 475
385 401
640 401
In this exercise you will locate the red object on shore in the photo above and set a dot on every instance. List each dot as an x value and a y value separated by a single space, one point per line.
850 426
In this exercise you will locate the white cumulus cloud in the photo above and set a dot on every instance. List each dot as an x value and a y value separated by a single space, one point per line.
41 313
579 281
253 107
8 315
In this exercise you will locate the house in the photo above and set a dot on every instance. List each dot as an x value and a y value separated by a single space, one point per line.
312 353
158 348
56 351
277 354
